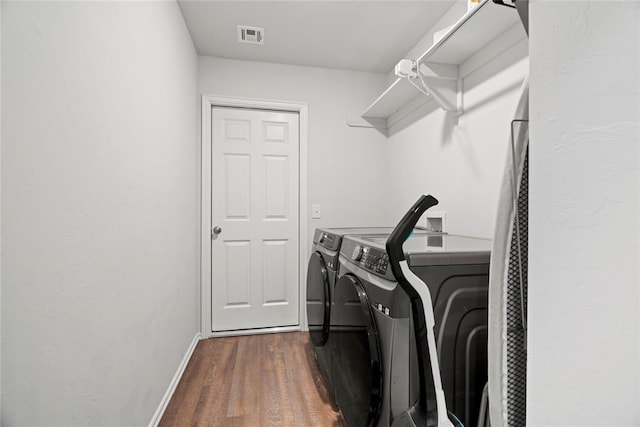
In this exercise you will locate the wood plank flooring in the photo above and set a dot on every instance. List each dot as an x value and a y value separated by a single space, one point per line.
255 380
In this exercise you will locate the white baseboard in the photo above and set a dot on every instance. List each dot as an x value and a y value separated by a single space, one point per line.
174 382
258 331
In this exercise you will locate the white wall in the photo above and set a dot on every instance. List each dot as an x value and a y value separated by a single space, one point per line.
0 209
584 229
461 164
347 166
99 209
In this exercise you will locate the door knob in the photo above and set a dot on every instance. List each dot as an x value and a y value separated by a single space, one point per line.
216 230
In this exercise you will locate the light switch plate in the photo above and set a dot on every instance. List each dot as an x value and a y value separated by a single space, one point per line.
315 211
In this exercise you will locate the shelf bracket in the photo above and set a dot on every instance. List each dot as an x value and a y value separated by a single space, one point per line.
444 84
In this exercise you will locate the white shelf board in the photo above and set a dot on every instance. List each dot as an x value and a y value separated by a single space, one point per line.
392 99
473 31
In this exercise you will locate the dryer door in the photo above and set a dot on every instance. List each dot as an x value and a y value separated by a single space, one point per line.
356 367
318 300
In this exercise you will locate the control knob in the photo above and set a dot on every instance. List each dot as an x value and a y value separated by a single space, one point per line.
357 253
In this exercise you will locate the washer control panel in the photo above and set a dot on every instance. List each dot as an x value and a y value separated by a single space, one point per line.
327 240
375 260
371 259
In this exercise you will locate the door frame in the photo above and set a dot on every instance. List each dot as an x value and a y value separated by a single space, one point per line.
208 102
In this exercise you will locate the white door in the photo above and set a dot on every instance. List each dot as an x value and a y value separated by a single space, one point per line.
254 212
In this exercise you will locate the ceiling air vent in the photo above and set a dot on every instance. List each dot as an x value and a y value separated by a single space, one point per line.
252 35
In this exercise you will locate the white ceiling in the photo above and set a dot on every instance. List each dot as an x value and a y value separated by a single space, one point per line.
354 35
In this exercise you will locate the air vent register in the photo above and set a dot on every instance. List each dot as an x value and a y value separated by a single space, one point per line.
253 35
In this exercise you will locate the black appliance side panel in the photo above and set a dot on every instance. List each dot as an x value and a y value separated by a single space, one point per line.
460 298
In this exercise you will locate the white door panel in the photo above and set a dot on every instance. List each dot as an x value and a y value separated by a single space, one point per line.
255 156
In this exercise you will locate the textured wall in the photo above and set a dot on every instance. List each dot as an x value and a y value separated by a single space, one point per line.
99 209
584 305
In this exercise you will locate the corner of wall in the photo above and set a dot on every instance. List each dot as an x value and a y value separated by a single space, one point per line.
0 211
197 167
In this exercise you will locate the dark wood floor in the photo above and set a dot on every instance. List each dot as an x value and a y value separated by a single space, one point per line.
256 380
